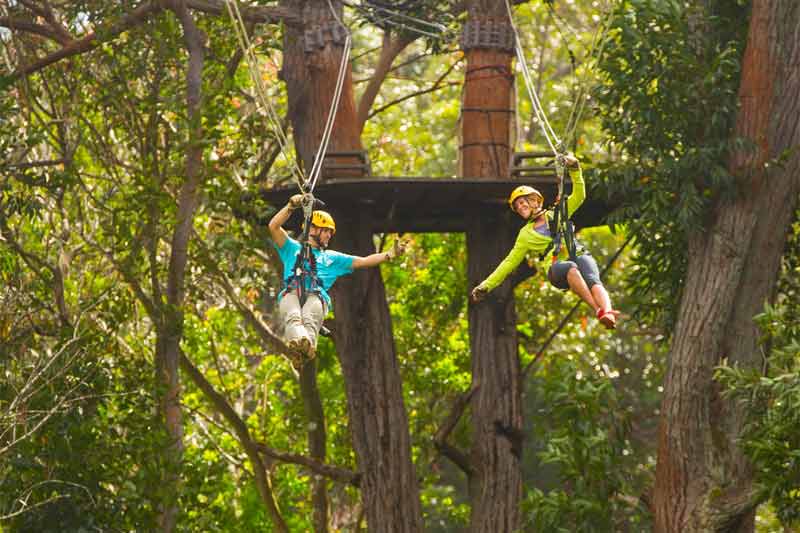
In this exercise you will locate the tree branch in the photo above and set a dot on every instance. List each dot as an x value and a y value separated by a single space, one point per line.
32 261
335 473
188 198
33 164
268 337
46 12
440 439
255 14
390 49
438 84
91 41
72 47
36 29
251 448
725 513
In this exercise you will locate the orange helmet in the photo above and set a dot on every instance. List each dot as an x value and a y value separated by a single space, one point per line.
323 219
523 190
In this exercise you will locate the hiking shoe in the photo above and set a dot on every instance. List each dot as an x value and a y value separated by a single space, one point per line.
307 348
295 352
608 318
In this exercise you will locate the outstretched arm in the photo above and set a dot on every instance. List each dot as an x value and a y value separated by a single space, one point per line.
506 266
371 260
276 223
376 259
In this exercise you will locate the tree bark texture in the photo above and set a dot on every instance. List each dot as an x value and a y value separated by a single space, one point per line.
170 332
363 336
378 419
495 482
486 115
317 442
703 481
311 82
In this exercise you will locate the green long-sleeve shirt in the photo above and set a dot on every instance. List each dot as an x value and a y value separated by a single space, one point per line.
529 240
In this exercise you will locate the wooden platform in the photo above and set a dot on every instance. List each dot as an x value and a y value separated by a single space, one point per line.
435 205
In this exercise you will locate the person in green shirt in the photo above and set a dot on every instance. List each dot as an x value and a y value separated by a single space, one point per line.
580 276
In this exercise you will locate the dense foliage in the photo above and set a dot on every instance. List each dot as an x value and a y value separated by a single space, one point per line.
668 102
85 238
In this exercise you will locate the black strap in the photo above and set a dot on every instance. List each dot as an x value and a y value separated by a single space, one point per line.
304 276
563 232
300 273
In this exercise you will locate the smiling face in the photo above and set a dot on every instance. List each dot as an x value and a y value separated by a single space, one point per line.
322 236
526 206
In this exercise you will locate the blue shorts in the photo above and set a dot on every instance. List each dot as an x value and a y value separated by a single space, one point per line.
585 264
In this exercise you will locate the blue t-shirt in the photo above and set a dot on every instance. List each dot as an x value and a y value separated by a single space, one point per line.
330 265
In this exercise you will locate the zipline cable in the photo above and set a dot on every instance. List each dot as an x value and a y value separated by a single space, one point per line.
261 92
316 168
392 14
550 136
580 99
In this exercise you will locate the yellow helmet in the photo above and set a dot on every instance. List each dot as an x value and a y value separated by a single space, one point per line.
523 190
323 219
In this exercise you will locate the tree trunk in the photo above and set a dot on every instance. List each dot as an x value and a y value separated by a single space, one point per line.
363 333
495 482
317 442
170 332
378 420
703 481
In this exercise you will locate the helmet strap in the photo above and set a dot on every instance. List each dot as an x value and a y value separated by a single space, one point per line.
317 241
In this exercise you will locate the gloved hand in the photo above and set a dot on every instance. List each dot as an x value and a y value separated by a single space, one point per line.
571 161
479 293
398 249
295 201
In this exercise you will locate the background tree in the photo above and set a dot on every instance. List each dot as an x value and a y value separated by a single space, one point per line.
723 218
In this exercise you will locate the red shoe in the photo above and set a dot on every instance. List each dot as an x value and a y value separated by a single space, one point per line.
608 318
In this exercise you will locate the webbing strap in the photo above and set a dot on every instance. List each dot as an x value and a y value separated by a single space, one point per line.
562 231
301 273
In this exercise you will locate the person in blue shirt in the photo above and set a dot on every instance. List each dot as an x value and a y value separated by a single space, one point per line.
303 322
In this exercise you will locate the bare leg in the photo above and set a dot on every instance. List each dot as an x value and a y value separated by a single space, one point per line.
601 297
579 287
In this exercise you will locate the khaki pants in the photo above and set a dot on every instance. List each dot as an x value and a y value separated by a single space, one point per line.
305 322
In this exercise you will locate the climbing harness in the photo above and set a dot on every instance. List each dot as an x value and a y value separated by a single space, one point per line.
561 227
563 231
304 278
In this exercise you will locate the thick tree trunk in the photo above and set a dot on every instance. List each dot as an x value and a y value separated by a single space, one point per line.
363 333
495 481
310 73
378 420
703 481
